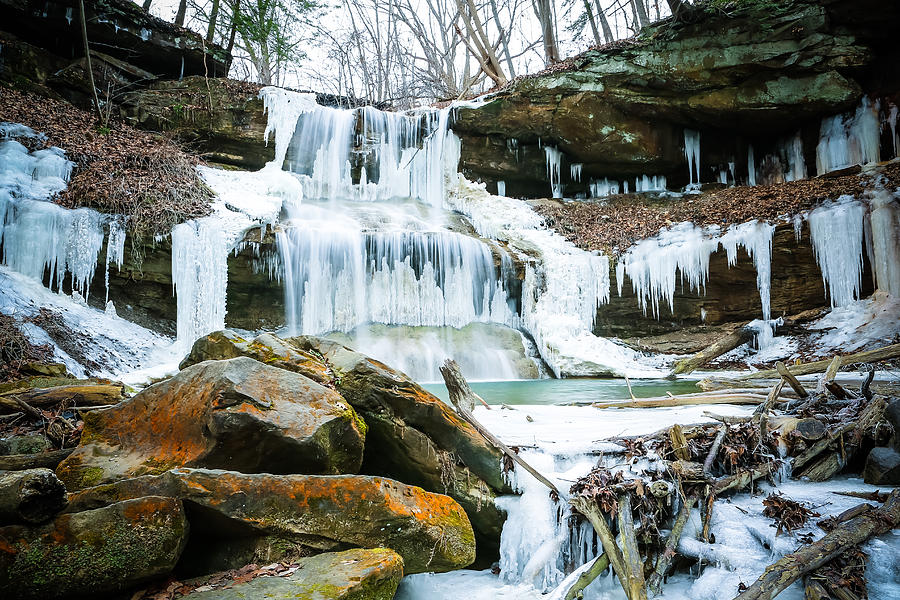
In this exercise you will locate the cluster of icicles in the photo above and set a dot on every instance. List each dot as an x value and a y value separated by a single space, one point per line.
39 237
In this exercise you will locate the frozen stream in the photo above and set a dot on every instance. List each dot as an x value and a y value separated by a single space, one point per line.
563 443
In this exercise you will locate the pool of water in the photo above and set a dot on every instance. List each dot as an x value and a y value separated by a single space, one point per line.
567 391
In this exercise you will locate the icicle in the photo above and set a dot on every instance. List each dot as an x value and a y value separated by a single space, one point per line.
575 171
885 221
604 187
115 250
501 188
199 277
284 107
798 227
836 233
846 140
554 162
892 122
756 238
792 150
751 167
692 153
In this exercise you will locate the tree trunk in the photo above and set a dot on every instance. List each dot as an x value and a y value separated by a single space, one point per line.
31 496
592 22
736 338
213 17
146 6
179 16
641 12
792 567
869 356
544 12
87 59
604 23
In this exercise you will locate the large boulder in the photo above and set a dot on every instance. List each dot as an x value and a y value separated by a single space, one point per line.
30 496
266 348
417 438
322 513
350 575
239 414
882 467
93 553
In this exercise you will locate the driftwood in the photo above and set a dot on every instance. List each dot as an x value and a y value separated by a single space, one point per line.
463 399
47 460
819 366
668 554
630 554
816 449
589 508
679 443
84 394
684 400
740 480
792 567
597 567
31 496
736 338
790 379
713 451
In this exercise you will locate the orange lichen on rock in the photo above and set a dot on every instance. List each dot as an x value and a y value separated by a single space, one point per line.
238 414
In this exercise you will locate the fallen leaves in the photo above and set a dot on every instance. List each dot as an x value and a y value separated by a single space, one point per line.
788 514
120 170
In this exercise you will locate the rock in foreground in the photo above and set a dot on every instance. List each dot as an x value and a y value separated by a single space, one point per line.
323 513
92 553
351 575
238 414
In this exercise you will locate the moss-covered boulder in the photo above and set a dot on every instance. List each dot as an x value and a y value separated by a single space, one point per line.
415 437
350 575
265 348
93 553
239 414
322 513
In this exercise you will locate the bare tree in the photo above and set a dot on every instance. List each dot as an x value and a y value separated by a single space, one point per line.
543 10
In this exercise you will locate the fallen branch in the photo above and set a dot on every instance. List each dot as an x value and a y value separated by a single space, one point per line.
632 557
589 509
869 356
597 567
684 400
713 451
736 338
792 381
463 399
668 554
792 567
47 460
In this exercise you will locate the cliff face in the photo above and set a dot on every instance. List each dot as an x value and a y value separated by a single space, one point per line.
762 72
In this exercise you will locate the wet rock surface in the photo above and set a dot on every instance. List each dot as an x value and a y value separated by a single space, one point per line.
238 413
350 575
321 513
93 553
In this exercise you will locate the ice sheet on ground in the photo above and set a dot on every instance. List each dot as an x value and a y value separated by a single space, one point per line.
118 345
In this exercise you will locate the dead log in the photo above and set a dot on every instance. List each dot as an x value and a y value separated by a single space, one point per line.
589 508
740 480
593 570
47 460
816 449
727 419
736 338
668 554
679 443
792 567
462 398
707 517
869 356
31 496
630 554
83 394
830 373
792 381
824 468
713 451
684 400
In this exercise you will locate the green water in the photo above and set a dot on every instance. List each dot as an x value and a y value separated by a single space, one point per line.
566 391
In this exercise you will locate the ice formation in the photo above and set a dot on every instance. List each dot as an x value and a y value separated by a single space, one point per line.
604 187
681 253
885 222
501 188
575 170
751 167
38 236
851 139
692 153
650 183
283 108
836 233
554 166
